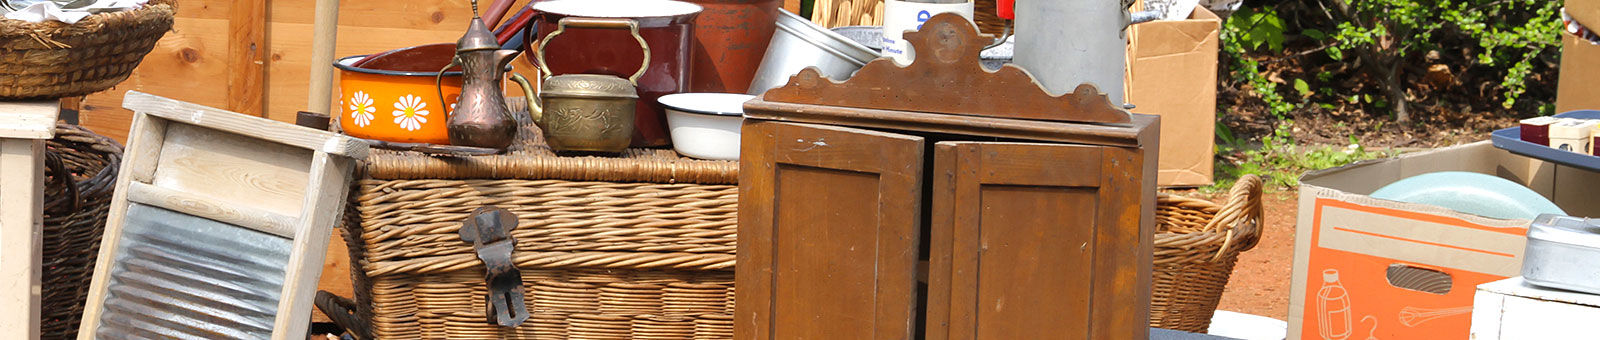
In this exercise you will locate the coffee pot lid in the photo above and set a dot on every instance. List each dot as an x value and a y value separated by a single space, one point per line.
478 37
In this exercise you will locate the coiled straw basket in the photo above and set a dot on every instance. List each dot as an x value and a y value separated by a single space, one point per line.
55 60
81 169
1196 245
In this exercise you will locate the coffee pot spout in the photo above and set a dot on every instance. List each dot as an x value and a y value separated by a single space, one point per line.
531 93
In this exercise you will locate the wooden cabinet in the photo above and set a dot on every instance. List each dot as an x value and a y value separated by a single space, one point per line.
940 200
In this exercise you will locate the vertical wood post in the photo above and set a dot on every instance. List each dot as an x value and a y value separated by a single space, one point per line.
24 127
324 30
247 61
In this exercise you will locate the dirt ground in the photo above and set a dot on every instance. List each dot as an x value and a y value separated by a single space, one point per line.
1260 281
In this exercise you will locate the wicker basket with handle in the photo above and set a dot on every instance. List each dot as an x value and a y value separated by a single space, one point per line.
81 167
1197 243
52 59
638 246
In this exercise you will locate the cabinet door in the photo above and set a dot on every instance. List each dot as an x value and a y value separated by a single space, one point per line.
1037 241
828 224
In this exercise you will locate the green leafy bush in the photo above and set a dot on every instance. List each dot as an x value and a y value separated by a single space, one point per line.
1505 41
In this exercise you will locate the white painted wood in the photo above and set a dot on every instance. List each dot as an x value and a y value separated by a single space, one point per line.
233 170
323 206
1486 308
243 215
244 125
1509 309
29 120
250 172
138 164
21 207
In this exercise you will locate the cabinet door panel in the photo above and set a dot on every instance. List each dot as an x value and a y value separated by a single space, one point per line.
828 238
1036 241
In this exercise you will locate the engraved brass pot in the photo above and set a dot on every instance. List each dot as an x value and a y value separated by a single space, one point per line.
587 112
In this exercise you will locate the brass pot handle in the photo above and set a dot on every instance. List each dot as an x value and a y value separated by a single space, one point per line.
618 23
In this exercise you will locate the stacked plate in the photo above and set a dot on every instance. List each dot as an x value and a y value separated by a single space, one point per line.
566 296
653 327
713 326
598 327
630 298
694 298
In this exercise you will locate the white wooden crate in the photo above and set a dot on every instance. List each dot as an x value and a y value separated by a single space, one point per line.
1510 309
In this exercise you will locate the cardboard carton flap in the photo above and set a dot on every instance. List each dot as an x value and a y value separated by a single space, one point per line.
1364 177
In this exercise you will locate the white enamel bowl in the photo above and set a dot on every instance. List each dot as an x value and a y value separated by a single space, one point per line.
705 125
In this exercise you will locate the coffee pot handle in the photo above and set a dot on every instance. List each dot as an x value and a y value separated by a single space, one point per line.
618 23
438 80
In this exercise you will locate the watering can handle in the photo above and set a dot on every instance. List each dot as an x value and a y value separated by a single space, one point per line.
632 26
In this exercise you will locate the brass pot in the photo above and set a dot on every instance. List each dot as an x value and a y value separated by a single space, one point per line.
586 112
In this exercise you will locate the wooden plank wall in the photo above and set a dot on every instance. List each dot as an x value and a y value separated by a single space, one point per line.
253 56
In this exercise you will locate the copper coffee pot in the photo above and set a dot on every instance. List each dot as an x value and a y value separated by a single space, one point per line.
481 118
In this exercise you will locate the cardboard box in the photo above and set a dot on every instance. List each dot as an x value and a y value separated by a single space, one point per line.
1352 250
1580 61
1576 81
1172 72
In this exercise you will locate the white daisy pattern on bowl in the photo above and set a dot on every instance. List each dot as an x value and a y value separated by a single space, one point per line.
361 108
410 112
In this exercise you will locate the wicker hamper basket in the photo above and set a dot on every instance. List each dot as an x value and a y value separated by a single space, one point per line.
81 169
638 246
56 60
1196 245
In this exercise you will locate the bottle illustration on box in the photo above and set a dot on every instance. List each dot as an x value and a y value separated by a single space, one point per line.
1333 307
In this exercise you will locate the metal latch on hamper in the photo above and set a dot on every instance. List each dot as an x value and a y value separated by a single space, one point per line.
488 229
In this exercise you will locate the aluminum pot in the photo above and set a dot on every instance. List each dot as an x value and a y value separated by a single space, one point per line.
730 37
667 26
798 44
1563 252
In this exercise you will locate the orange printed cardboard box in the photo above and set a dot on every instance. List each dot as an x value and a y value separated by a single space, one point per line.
1368 268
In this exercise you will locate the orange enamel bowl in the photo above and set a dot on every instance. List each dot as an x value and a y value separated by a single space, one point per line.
394 106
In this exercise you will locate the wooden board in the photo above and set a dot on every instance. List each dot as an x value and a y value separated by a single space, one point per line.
846 205
1032 239
224 173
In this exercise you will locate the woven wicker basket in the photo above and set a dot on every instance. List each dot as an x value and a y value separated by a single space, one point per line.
1196 245
81 171
55 60
638 246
